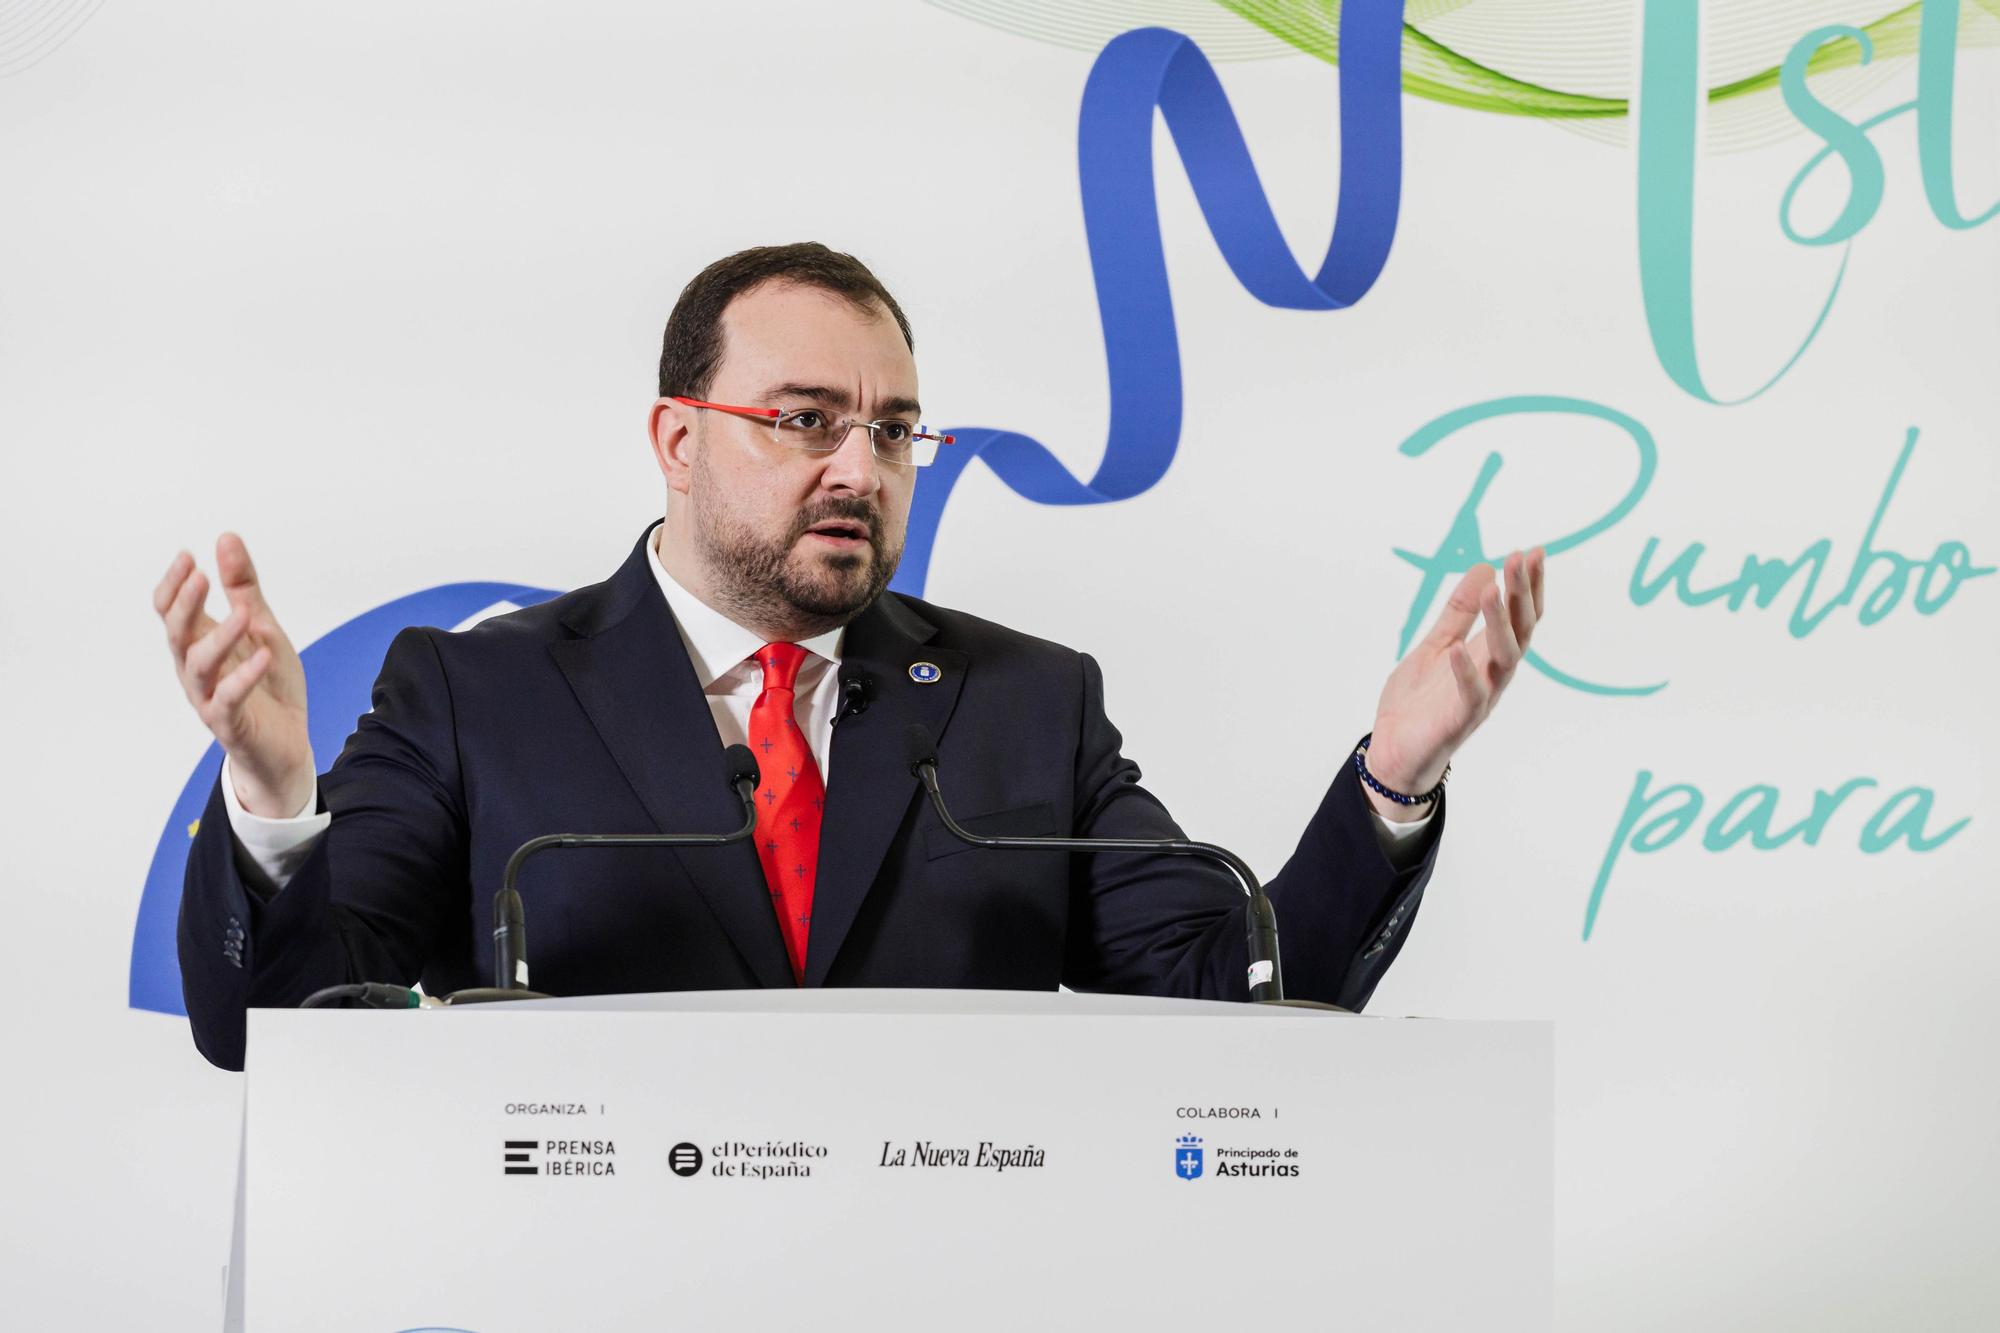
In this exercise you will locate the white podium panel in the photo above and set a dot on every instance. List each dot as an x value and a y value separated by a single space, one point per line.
891 1160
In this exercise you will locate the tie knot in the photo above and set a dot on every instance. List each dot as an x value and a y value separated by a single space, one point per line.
781 662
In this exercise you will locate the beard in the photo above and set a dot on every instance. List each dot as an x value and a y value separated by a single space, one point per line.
763 581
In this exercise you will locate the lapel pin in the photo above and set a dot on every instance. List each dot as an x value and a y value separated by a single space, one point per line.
925 673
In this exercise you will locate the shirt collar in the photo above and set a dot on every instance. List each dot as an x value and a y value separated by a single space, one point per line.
716 644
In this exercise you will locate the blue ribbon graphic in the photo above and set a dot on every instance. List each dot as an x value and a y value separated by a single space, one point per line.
1135 73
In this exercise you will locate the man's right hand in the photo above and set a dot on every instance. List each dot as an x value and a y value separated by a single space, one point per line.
243 677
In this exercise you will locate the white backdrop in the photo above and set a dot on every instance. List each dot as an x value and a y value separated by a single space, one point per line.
381 287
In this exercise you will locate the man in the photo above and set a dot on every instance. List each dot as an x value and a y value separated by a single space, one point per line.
786 432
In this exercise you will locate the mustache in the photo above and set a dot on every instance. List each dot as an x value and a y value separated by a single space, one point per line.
834 507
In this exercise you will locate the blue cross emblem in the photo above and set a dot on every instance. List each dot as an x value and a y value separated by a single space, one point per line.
1187 1156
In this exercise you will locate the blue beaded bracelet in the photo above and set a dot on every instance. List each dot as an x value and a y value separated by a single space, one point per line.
1400 798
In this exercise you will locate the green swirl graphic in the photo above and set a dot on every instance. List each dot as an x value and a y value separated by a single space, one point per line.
1570 62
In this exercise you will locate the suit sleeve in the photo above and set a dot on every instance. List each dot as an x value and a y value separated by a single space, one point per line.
1168 925
369 901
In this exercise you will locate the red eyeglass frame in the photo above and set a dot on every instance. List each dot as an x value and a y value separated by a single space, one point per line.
772 414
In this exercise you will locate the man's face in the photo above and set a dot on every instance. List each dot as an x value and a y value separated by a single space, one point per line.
787 537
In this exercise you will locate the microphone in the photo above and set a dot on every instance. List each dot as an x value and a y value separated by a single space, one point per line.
370 995
510 932
855 692
1267 982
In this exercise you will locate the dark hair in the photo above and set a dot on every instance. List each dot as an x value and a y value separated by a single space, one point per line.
692 347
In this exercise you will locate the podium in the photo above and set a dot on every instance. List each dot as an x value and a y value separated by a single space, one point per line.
838 1159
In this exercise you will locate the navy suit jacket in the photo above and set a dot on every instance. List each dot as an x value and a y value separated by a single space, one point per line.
583 714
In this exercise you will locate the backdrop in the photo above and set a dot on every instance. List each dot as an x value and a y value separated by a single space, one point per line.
1259 322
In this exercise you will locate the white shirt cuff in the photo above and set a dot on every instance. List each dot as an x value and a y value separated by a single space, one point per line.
1399 842
272 848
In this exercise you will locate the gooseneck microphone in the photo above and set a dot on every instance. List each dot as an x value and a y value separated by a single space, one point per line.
510 932
1267 982
370 995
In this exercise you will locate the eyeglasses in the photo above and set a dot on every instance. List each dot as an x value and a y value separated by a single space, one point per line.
814 430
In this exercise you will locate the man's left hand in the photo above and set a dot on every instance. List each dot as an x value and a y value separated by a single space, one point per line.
1444 687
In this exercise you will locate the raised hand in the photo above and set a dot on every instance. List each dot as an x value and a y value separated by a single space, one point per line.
243 677
1445 687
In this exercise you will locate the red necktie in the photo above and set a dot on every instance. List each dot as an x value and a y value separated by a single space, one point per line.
790 801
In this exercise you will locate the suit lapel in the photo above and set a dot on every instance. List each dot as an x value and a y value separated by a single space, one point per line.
870 790
630 672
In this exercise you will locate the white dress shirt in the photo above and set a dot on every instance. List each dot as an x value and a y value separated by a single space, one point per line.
721 651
